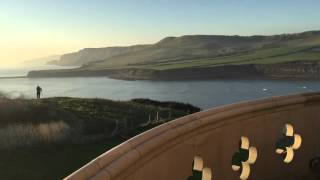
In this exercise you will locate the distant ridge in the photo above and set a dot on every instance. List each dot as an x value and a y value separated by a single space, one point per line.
88 55
41 60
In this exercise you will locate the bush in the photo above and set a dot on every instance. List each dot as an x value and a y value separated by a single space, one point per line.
31 134
168 104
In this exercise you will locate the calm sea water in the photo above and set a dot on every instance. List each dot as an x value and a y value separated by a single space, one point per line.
205 94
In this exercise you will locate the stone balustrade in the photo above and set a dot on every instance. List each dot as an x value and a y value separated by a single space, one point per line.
169 151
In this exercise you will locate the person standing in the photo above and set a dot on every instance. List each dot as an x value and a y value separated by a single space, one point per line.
39 90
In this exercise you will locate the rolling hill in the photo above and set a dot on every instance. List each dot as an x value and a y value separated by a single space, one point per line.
201 50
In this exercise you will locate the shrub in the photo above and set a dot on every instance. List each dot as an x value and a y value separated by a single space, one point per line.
31 134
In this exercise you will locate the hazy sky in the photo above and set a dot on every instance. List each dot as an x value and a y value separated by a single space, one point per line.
36 28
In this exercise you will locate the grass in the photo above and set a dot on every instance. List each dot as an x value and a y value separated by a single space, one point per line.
265 56
100 116
51 138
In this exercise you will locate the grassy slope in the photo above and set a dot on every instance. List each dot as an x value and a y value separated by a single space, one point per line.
96 116
269 56
161 58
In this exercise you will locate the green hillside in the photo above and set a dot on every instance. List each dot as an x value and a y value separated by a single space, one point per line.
204 51
267 56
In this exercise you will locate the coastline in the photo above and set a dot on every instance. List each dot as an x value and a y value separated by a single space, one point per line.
302 70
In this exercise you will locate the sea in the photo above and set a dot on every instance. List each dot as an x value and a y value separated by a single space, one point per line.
202 93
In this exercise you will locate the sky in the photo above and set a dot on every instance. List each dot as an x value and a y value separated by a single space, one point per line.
37 28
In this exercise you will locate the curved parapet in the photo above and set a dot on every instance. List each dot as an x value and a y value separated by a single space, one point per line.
168 151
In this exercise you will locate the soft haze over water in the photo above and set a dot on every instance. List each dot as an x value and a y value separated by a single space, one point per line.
23 70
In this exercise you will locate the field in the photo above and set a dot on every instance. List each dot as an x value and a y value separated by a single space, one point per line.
263 56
